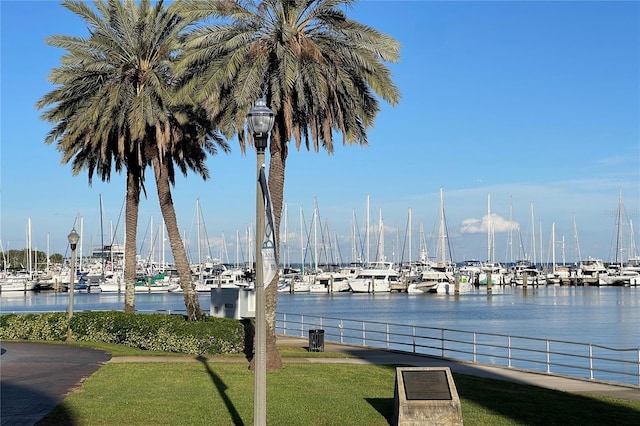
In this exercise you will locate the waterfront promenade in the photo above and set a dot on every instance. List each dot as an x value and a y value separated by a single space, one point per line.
36 377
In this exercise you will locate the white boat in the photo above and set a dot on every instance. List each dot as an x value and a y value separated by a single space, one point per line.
450 288
157 284
377 277
558 274
619 276
592 271
495 271
225 278
470 270
301 283
330 282
429 281
18 282
525 272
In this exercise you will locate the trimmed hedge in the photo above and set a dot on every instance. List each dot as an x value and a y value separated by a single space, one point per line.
154 332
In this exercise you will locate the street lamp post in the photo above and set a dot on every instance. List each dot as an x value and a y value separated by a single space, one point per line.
73 238
260 121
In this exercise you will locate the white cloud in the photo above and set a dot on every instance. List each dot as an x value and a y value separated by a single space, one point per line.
477 226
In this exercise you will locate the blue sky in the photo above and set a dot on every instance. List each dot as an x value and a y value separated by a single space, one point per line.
535 104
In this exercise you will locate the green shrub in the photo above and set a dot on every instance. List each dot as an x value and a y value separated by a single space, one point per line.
154 332
52 326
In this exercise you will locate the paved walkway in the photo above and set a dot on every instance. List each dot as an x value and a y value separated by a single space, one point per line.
36 377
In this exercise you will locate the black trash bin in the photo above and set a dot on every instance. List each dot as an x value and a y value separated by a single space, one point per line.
316 340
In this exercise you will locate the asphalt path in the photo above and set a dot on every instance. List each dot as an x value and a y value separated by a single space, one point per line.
36 377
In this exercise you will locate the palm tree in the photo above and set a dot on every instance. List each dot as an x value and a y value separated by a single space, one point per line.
319 71
114 105
188 139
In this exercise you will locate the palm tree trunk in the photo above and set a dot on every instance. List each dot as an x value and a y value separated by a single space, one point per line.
276 188
131 218
191 301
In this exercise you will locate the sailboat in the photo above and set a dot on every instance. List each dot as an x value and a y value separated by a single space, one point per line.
21 280
617 273
439 277
491 271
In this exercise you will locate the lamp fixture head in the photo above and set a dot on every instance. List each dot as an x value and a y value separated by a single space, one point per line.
260 119
73 238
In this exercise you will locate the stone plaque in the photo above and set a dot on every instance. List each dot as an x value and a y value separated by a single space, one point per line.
425 396
431 385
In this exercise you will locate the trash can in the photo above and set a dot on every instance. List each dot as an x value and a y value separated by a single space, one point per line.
316 340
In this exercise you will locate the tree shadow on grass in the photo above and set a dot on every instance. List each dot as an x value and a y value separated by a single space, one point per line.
485 398
532 405
222 388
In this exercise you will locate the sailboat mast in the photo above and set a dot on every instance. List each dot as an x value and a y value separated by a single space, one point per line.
533 237
29 252
301 240
381 256
315 237
619 242
163 259
237 248
368 237
284 238
198 237
410 258
553 247
510 238
577 243
489 242
442 233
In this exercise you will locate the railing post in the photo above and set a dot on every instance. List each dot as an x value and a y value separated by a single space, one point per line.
387 335
590 361
284 324
413 337
474 347
638 366
548 358
523 351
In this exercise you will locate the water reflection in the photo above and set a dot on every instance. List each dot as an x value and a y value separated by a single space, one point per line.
599 315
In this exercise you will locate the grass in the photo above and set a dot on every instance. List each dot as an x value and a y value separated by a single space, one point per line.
210 393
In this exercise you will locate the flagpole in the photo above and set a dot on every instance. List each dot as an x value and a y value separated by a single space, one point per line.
260 121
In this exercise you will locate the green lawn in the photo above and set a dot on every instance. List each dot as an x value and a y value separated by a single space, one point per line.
210 393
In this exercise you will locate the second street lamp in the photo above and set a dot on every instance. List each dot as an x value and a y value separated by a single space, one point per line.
73 238
260 122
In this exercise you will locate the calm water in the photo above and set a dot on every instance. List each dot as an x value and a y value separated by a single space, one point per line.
608 316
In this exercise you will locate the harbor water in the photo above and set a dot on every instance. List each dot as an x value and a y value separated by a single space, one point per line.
599 315
607 316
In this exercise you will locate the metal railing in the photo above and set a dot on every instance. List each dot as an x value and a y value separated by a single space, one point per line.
584 360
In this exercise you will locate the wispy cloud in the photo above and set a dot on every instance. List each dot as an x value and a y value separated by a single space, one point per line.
497 223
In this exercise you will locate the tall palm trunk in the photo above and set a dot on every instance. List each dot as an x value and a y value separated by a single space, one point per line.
276 188
131 218
191 301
